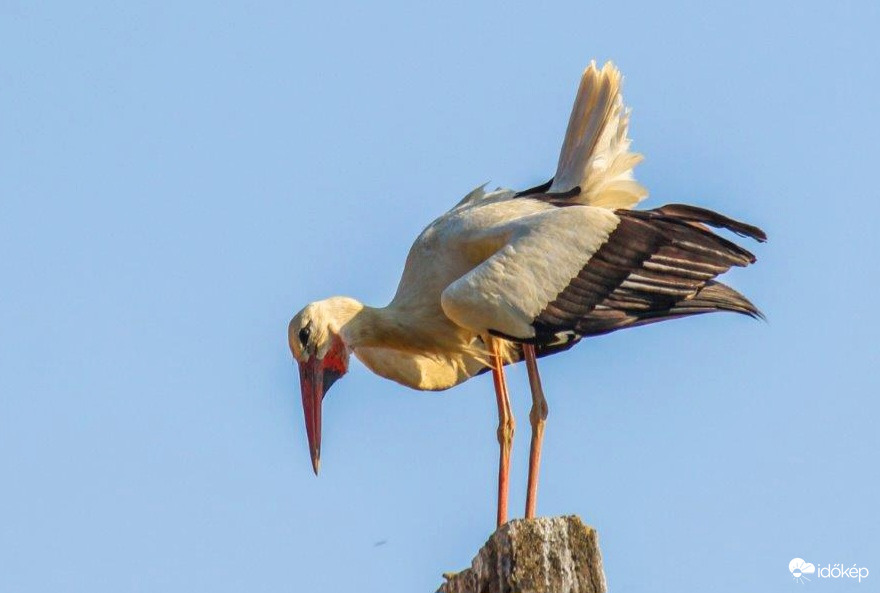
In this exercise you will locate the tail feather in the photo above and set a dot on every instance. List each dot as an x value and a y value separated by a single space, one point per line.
595 164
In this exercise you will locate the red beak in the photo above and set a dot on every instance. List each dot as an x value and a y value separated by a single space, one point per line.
316 376
311 379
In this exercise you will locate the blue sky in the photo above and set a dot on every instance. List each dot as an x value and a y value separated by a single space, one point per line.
178 179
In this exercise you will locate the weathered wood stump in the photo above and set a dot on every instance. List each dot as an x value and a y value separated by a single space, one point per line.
545 555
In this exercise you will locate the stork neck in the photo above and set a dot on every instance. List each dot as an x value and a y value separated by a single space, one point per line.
377 327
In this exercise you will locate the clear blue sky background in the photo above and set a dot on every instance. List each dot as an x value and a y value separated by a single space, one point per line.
178 179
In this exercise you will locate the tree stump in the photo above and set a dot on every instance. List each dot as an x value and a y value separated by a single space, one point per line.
545 555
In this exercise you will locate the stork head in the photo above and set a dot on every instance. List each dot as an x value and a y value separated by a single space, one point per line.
317 344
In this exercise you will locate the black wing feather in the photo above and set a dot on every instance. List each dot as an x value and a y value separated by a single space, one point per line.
657 264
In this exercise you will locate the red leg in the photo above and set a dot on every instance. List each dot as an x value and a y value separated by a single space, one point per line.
506 427
537 418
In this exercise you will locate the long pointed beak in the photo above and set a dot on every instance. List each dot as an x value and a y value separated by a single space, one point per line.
311 378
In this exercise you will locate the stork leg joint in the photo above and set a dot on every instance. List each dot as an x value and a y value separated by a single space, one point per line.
539 412
506 429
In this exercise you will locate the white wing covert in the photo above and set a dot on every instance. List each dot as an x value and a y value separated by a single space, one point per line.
542 253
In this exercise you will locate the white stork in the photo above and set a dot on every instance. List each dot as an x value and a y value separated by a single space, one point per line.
506 276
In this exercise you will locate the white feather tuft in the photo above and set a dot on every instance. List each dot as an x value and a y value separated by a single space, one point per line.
595 153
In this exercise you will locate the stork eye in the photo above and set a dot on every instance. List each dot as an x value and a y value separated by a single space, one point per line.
304 335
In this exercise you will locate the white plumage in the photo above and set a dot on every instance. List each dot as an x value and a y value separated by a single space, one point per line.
508 275
541 252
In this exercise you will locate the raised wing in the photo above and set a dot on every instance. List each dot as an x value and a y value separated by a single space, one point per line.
581 270
595 154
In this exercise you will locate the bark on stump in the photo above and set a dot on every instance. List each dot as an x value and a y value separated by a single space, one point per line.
545 555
